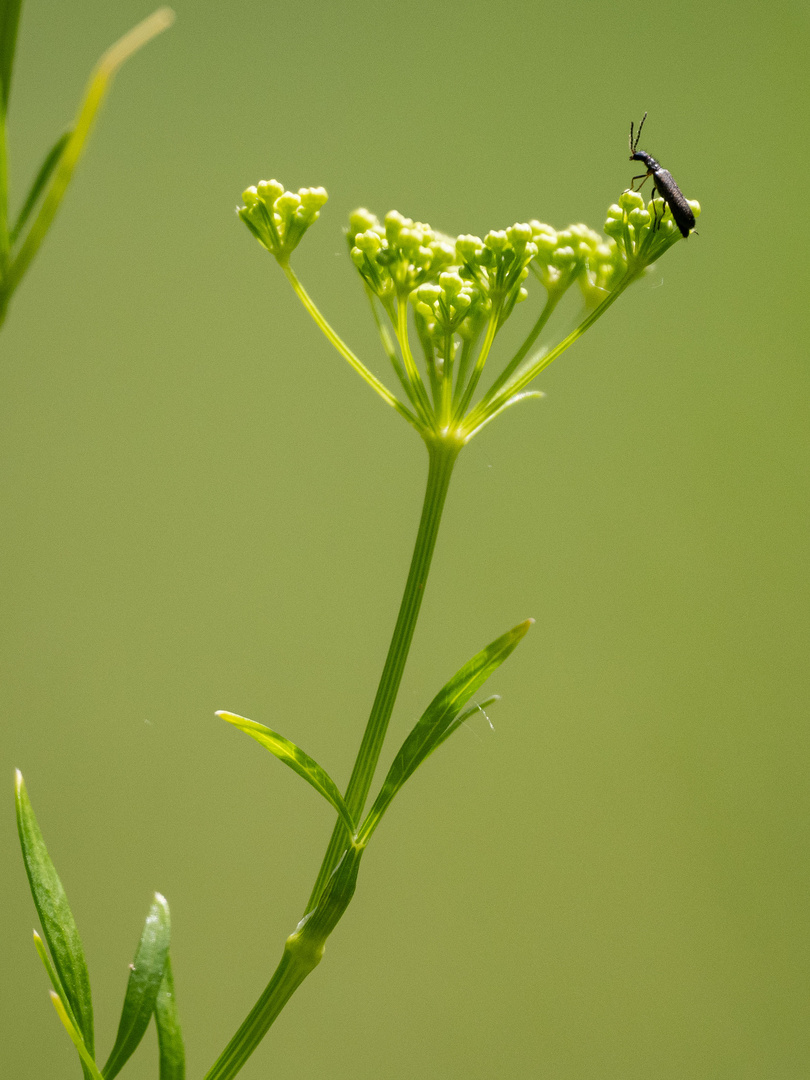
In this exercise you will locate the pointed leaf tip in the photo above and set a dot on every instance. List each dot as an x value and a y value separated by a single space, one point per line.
145 976
440 720
296 759
56 918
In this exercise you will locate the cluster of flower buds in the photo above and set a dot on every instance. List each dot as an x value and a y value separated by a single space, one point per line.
452 305
576 254
399 256
643 232
278 218
498 265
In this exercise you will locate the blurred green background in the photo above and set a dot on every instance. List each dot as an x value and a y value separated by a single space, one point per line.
204 508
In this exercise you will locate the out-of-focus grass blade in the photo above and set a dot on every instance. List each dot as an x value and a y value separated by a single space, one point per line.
97 88
56 917
42 178
295 758
90 1067
442 717
9 21
170 1039
145 977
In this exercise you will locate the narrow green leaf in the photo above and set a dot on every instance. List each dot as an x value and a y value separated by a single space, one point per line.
9 21
145 977
42 178
56 917
295 758
167 1021
442 717
90 1067
56 982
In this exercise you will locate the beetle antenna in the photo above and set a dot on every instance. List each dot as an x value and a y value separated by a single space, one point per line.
632 149
638 133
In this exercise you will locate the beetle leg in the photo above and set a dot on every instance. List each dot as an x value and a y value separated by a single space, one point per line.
642 177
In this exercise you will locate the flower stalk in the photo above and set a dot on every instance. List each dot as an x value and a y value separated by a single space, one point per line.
456 295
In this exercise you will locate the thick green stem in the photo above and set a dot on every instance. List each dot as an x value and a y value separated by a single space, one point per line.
442 455
288 976
336 880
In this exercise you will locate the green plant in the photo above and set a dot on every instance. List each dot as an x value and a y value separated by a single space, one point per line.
21 238
455 295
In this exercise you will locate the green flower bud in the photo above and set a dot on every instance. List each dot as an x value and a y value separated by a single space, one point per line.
545 243
614 226
428 292
369 242
250 197
542 232
443 254
496 240
287 203
519 236
358 257
587 237
269 191
638 218
450 282
409 240
629 200
394 223
422 257
313 198
469 247
362 220
564 256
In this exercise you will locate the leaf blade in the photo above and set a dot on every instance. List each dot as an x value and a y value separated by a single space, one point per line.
100 80
443 716
88 1064
145 977
9 24
296 759
58 924
40 180
170 1040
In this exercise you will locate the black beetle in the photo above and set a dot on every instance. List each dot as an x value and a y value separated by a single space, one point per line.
663 184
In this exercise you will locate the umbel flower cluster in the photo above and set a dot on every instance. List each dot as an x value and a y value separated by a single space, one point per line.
454 295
